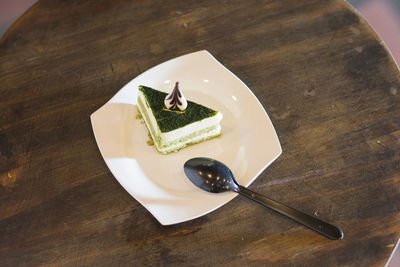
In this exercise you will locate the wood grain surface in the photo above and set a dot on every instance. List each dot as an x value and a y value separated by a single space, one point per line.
329 85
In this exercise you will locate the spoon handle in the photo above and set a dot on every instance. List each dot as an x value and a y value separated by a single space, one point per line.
312 222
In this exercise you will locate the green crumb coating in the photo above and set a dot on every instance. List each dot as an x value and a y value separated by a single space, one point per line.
150 142
169 120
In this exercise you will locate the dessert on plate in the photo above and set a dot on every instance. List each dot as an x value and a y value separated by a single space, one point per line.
175 123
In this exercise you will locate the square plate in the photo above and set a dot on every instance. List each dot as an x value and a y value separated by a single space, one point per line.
248 143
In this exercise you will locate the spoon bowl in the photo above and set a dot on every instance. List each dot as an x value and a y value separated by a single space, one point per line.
210 175
215 177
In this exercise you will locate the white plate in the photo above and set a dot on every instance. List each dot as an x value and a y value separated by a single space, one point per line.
248 143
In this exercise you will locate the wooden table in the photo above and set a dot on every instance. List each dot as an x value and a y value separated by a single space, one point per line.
328 83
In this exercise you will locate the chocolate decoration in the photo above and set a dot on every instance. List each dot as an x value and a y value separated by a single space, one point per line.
175 100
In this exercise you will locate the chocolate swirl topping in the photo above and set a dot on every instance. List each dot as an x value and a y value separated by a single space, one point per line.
175 100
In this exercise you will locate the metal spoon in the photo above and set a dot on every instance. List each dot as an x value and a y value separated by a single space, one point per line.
214 176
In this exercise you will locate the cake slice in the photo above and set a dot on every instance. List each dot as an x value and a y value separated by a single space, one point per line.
172 130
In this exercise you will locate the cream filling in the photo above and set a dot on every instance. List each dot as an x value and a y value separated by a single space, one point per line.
215 131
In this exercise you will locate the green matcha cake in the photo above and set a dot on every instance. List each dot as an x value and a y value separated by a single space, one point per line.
175 123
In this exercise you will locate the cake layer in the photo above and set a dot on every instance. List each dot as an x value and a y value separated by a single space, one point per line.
193 139
177 143
173 130
168 120
173 135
